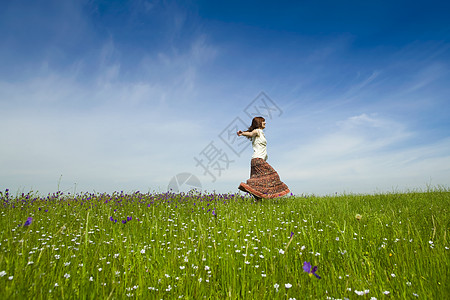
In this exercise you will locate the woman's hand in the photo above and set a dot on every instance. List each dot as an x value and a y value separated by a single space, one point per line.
239 133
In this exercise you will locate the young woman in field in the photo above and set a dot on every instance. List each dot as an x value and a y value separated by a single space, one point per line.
264 181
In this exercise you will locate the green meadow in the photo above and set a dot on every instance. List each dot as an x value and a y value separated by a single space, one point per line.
225 246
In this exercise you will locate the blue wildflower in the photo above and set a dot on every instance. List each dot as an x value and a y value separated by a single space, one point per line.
311 271
28 221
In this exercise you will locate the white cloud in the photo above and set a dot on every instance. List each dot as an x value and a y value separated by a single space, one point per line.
365 153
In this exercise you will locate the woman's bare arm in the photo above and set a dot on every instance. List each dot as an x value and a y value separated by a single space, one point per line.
247 134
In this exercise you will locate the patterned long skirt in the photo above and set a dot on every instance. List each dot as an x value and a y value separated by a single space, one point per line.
264 181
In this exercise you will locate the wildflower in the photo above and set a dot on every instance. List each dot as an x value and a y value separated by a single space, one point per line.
281 251
361 293
206 268
408 283
67 275
311 271
276 286
386 292
143 251
182 267
358 217
392 275
91 278
11 277
28 221
129 218
288 285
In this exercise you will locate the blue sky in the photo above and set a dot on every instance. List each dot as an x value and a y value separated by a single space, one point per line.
123 95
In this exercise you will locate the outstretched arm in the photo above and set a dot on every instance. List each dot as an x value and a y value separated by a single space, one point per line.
247 134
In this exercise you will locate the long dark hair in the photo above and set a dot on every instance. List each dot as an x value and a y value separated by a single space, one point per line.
256 123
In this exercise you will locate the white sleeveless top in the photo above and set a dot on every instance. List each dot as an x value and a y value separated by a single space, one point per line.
259 144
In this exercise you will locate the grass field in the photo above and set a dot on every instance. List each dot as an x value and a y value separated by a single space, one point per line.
213 246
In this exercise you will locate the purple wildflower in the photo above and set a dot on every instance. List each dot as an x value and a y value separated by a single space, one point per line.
124 222
129 218
292 234
28 221
311 271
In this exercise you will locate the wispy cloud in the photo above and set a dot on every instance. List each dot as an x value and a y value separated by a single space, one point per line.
365 152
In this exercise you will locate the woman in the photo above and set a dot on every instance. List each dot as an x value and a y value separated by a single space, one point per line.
264 181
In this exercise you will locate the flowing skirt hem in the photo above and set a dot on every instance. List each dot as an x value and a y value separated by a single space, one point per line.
246 188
